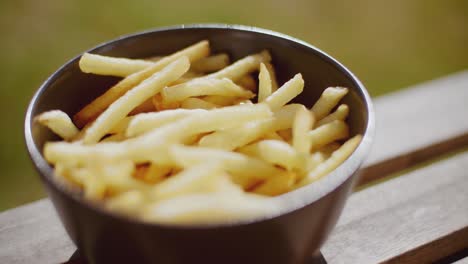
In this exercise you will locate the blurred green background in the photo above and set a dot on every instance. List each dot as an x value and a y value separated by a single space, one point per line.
388 44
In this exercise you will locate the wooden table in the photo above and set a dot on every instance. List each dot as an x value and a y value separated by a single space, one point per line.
410 206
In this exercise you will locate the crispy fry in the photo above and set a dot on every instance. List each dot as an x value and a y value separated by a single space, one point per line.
303 123
124 105
285 93
341 113
338 157
59 122
200 87
145 107
96 107
211 63
328 133
105 65
277 184
272 151
197 103
245 171
248 83
272 74
242 67
265 86
220 100
327 101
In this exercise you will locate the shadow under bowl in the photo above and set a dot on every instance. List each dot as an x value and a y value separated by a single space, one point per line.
309 213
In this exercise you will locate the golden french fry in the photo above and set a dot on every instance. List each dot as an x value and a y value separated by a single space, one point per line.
201 87
124 105
338 157
264 83
245 171
105 65
277 184
327 150
328 133
115 138
152 173
248 83
59 122
96 107
209 208
145 107
230 139
241 67
273 136
211 63
197 103
145 122
341 113
151 146
160 105
272 74
272 151
327 101
220 100
314 160
286 135
285 93
129 202
303 123
197 179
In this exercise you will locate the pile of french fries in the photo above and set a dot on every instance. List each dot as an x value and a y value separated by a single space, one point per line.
190 138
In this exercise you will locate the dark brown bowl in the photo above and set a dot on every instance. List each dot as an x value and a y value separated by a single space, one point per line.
310 212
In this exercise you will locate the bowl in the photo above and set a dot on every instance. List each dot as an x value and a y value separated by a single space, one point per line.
291 236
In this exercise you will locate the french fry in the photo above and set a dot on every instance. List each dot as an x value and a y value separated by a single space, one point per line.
245 171
273 136
124 105
197 103
286 135
211 63
284 117
230 139
145 122
201 87
122 125
152 145
145 107
327 101
199 178
160 105
328 133
327 150
129 202
241 67
105 65
248 83
314 160
209 208
115 138
285 93
303 123
152 173
264 86
338 157
96 107
220 100
59 122
341 113
277 184
272 74
272 151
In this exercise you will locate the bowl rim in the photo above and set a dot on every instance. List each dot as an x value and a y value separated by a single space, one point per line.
289 202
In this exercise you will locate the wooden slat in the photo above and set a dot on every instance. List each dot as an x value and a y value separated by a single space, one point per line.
417 124
417 218
33 234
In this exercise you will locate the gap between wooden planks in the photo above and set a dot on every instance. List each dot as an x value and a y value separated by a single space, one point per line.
408 121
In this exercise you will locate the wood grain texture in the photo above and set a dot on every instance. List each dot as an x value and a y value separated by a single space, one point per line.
417 218
418 124
412 125
33 234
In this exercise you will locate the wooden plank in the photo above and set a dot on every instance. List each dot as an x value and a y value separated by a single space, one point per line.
418 218
417 124
33 234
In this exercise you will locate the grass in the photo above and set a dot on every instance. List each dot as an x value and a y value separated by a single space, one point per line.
388 46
